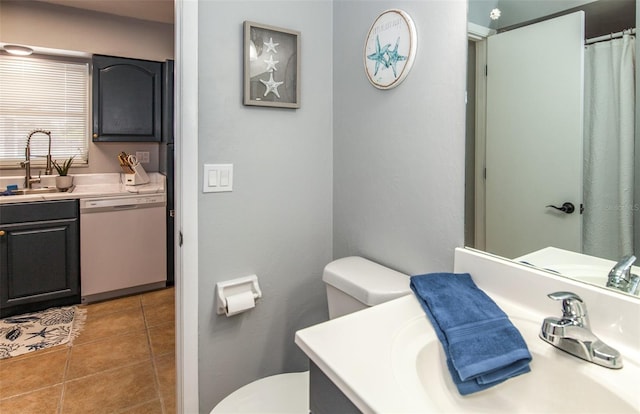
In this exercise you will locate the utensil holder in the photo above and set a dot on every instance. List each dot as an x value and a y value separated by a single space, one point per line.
138 177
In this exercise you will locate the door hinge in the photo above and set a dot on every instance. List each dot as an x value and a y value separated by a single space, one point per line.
180 239
486 70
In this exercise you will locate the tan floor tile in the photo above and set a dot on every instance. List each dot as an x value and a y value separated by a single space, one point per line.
169 402
159 314
113 305
163 339
32 354
29 374
158 297
166 371
110 391
151 407
108 353
116 323
42 401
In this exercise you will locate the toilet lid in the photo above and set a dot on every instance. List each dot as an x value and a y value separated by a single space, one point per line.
282 394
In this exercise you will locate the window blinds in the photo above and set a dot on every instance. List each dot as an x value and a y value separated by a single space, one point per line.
43 93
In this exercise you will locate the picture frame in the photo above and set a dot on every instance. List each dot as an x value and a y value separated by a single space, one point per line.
390 49
271 66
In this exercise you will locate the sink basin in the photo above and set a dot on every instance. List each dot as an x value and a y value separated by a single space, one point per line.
587 273
558 382
41 190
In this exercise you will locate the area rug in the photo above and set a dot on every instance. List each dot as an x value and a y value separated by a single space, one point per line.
30 332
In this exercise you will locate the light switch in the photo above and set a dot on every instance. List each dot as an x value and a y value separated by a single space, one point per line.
217 178
213 178
224 178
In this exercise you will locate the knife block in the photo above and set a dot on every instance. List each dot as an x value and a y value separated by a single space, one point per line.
139 177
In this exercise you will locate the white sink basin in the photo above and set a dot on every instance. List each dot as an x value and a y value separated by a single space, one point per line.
557 382
387 359
574 265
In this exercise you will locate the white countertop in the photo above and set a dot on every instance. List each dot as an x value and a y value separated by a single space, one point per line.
378 356
86 186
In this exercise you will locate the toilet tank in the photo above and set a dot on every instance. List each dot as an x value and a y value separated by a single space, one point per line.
354 283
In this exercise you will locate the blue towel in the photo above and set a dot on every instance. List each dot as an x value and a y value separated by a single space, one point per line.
482 346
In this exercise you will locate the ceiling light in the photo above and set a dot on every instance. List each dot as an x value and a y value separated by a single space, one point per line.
18 50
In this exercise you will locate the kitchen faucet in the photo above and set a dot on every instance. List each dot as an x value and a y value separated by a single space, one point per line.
621 278
28 181
572 333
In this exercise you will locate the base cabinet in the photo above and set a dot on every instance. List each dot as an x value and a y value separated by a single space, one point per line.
325 397
39 256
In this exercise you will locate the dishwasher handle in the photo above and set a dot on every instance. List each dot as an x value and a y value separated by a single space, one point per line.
125 207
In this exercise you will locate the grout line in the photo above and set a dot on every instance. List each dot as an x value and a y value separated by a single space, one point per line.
64 379
152 358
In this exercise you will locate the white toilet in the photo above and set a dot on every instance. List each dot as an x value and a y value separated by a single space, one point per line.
353 283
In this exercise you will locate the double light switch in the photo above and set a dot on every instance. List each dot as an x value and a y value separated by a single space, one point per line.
217 178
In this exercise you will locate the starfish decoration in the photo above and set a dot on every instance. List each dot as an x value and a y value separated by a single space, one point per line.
43 333
394 57
379 55
271 46
272 86
271 64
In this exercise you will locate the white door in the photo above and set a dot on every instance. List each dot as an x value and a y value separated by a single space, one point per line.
534 136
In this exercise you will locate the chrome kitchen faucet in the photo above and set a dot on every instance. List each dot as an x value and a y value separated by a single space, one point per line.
26 164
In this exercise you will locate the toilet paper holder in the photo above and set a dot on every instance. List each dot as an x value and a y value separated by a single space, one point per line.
235 287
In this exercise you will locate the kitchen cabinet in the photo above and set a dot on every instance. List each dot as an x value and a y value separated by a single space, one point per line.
39 256
127 99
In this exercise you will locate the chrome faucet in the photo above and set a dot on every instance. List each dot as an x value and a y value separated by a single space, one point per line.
26 164
621 278
572 333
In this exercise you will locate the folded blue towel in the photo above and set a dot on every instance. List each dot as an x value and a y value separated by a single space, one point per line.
482 346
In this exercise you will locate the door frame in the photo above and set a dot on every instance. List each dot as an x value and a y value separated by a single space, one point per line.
186 195
478 34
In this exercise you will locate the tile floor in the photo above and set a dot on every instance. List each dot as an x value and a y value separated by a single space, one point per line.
122 362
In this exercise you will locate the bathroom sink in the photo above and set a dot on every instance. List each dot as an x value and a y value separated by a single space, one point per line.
558 382
584 272
388 359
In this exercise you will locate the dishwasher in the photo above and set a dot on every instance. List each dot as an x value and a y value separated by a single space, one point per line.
122 245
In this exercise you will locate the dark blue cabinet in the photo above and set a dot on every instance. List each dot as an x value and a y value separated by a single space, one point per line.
127 99
39 256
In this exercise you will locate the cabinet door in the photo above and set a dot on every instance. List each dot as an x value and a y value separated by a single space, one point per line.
40 265
127 100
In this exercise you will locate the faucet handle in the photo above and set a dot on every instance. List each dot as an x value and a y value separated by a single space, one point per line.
573 308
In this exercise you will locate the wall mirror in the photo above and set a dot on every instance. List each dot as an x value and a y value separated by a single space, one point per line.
550 180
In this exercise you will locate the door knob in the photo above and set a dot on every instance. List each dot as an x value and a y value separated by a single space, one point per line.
2 233
566 207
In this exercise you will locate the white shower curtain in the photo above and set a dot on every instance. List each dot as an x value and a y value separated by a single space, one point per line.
609 148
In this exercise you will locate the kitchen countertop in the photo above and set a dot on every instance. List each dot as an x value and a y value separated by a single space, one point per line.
85 186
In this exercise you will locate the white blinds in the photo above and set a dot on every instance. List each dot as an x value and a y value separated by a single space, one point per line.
43 93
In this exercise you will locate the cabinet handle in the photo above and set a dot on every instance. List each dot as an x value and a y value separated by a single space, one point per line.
95 135
2 233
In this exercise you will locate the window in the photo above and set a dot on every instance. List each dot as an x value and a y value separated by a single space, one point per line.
42 92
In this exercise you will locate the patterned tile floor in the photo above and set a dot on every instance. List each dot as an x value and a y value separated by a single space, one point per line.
122 362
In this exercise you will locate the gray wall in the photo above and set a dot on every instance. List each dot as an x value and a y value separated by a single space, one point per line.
367 172
399 153
636 206
277 221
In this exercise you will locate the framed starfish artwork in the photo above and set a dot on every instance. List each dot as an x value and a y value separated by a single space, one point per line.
271 66
390 49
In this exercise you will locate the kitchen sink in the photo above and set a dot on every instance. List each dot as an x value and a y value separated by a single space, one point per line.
41 190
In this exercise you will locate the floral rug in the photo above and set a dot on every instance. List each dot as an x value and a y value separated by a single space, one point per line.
33 331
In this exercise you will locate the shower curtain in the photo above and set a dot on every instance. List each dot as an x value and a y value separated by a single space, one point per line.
609 148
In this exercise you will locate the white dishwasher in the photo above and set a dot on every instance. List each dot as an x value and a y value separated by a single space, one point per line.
122 245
